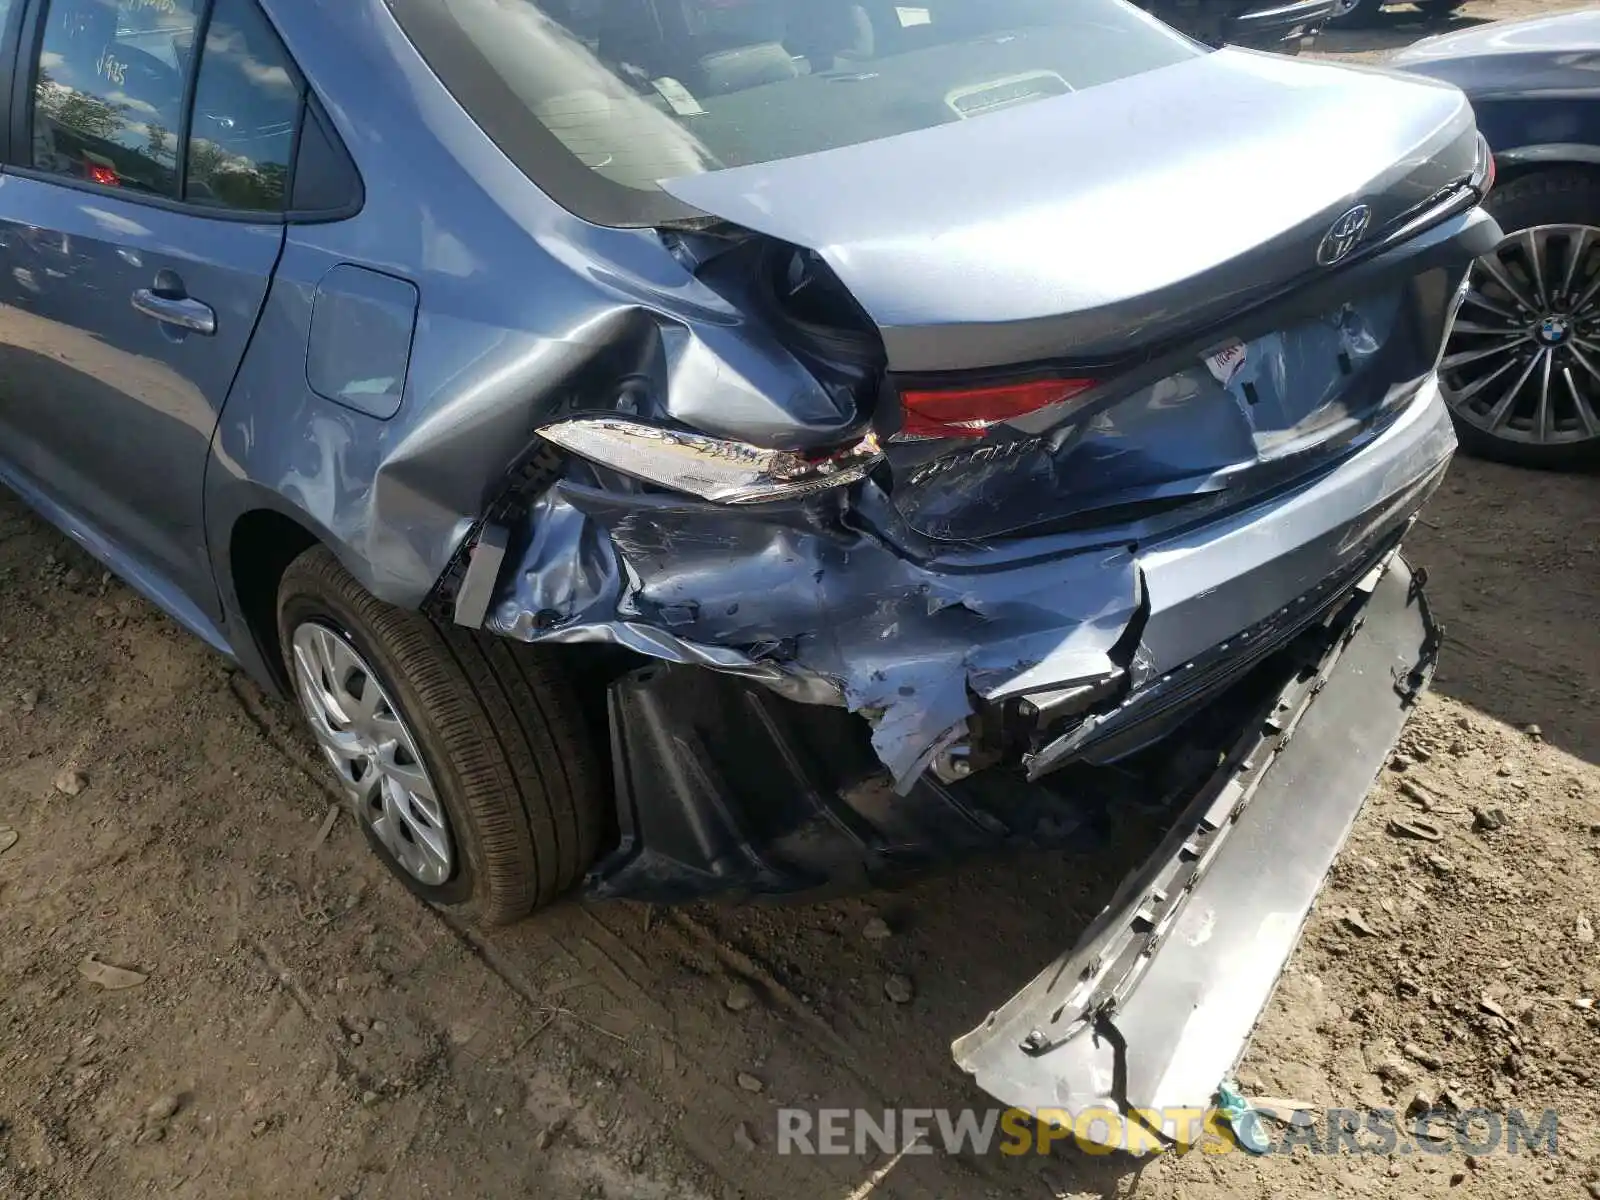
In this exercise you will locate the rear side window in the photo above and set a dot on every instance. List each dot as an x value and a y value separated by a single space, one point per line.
194 101
246 113
108 96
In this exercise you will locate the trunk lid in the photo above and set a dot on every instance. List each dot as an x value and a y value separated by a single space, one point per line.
1118 215
1183 239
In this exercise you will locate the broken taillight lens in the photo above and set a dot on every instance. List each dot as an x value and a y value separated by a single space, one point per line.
971 412
715 469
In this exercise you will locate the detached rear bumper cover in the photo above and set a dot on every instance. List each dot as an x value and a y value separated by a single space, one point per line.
1154 1006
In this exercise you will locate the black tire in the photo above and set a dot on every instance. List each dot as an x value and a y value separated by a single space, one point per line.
1558 196
1437 10
500 732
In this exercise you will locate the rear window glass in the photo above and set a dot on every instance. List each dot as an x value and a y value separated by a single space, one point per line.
637 91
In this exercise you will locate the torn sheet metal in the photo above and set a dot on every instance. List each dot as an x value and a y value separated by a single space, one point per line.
849 598
527 313
912 601
805 600
823 613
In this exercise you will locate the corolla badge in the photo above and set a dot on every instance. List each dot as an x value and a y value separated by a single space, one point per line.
1344 236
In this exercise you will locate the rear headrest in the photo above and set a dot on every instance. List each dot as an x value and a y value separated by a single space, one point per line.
731 23
746 67
831 29
633 32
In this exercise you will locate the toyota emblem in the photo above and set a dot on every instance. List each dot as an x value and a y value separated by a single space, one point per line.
1344 236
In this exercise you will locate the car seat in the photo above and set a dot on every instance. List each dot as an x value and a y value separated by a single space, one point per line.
638 34
739 44
743 67
728 49
831 33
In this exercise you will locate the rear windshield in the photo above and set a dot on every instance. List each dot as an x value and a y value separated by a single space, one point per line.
600 99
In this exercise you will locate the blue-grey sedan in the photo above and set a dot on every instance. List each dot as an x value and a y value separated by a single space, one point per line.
679 447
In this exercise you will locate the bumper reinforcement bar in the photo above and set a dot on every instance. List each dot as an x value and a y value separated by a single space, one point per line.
1155 1004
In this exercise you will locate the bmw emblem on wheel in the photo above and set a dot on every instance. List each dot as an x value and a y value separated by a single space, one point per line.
1344 236
1552 330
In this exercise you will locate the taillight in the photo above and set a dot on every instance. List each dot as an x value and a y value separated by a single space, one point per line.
1484 172
971 412
715 469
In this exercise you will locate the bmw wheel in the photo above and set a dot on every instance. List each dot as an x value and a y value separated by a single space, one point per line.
464 758
1521 371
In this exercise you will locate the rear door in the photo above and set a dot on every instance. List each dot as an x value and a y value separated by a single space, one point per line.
141 218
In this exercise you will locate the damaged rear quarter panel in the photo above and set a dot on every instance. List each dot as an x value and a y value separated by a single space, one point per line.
527 313
793 597
523 308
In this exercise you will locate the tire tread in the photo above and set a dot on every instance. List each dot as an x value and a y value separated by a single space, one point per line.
504 719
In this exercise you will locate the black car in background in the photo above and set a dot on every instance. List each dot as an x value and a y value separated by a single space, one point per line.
1361 12
1283 25
1521 372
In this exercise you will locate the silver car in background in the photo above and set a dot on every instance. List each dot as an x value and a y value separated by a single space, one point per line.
752 446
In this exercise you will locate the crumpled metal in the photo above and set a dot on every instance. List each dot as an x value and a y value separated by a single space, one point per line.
818 612
917 600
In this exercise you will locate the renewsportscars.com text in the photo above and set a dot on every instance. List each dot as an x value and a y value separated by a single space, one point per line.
1014 1131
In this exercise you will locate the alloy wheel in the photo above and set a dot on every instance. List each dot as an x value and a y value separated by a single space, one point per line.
1523 360
365 737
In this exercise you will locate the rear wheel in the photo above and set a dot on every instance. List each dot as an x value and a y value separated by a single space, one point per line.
465 758
1521 372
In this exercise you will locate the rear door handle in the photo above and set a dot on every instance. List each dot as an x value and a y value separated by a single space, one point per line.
181 312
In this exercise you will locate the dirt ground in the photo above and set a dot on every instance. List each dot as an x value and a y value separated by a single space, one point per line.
307 1029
